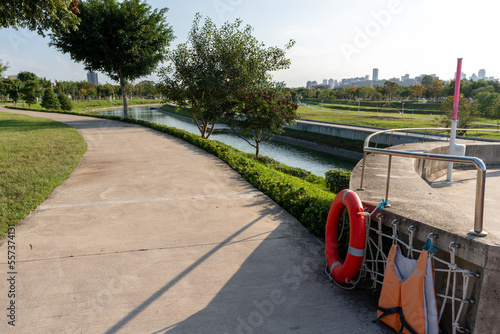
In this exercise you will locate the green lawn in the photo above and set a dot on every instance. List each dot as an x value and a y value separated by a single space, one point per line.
384 120
36 155
89 105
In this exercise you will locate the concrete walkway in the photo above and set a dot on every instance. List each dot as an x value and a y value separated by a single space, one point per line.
152 235
461 193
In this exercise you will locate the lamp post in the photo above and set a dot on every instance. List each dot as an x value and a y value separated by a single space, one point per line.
403 113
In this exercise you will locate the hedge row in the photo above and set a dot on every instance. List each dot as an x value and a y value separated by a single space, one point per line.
302 194
337 180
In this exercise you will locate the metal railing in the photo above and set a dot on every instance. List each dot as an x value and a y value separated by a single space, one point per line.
478 163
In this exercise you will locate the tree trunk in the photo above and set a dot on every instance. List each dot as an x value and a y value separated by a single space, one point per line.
124 97
257 146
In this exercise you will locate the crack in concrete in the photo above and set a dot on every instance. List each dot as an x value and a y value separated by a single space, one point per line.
249 239
245 195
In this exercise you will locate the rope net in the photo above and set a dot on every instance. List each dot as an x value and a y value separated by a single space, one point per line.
452 284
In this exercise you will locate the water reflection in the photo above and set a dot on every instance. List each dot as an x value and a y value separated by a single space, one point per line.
315 162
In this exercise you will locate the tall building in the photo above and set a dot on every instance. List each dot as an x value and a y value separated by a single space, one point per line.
331 84
325 82
375 74
482 74
92 78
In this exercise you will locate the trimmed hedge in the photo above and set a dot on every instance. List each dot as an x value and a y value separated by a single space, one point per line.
302 194
337 180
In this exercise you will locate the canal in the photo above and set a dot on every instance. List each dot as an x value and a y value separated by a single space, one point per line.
315 162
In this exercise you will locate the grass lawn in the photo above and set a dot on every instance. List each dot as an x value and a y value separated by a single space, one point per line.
85 106
36 155
368 119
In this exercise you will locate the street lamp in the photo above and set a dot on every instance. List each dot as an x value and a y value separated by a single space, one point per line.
403 114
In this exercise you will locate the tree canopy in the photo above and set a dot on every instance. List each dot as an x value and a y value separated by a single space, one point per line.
263 115
125 40
39 15
209 73
3 67
467 112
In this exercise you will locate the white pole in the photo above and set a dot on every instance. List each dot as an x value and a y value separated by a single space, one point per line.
453 137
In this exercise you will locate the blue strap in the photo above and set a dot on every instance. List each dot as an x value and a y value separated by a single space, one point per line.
429 247
382 205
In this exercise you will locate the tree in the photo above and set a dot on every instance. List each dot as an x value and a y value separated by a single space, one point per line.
494 111
50 100
366 92
417 91
63 99
485 100
39 15
390 88
31 91
436 88
106 90
14 91
125 40
467 112
216 66
65 102
327 95
3 68
26 76
404 91
45 83
427 81
262 115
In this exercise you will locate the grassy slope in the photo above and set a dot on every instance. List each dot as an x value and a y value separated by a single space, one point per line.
36 155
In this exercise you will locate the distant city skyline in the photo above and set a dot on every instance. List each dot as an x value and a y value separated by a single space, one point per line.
405 80
334 39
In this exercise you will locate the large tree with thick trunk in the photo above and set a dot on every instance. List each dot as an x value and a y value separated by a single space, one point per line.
125 40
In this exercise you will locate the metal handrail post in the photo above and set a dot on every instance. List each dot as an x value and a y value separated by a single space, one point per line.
479 205
388 179
363 171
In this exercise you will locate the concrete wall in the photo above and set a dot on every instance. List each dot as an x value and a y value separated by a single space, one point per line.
359 132
415 203
427 169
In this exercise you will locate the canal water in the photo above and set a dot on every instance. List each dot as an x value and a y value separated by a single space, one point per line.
315 162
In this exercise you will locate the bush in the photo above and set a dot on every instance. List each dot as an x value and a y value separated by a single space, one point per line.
49 100
66 104
337 180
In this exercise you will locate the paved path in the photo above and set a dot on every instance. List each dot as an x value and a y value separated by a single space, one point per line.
152 235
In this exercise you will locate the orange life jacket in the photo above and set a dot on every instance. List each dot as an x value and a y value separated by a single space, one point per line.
407 301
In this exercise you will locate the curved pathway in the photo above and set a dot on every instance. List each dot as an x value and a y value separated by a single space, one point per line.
152 235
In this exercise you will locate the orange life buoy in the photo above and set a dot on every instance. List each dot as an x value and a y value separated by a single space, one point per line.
346 271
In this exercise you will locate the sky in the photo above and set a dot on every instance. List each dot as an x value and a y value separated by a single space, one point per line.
334 39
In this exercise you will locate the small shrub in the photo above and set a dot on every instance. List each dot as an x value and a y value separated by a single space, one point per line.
65 102
337 180
49 100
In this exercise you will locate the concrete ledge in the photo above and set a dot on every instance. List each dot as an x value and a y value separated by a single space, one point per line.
414 202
